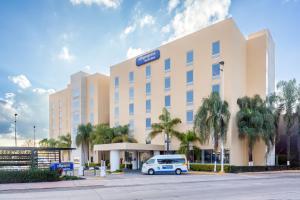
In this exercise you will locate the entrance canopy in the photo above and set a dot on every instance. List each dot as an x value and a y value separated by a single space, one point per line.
128 147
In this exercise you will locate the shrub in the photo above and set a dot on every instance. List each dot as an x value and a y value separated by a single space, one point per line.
27 176
207 167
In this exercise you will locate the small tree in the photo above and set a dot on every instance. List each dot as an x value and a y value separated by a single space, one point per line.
289 94
188 141
83 139
165 126
102 134
255 121
44 142
211 121
65 141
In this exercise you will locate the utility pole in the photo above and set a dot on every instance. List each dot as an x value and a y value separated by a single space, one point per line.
16 129
34 135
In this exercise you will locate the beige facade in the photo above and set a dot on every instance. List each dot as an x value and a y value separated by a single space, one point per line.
249 69
86 99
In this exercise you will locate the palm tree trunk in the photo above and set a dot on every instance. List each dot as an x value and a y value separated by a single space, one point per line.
222 156
168 145
215 165
250 155
288 146
88 152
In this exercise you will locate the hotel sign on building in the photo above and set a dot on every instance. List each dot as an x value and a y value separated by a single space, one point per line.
149 57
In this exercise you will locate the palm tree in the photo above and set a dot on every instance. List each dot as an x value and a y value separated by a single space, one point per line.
255 121
65 141
166 126
274 105
83 139
211 121
187 142
121 134
288 92
44 142
102 134
52 142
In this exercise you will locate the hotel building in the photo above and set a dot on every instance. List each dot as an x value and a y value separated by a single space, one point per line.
85 100
179 74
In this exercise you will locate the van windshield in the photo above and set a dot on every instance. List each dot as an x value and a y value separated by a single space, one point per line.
150 161
171 161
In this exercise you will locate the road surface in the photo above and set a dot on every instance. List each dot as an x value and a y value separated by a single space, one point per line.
254 186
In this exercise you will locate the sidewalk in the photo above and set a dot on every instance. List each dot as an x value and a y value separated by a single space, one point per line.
95 181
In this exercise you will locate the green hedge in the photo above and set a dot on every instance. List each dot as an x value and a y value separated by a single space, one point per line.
239 169
27 176
207 167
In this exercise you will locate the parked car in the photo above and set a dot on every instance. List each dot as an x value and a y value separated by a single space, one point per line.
162 164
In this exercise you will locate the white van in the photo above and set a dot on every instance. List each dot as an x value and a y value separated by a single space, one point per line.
160 164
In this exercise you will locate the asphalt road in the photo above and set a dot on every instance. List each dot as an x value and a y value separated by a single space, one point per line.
136 187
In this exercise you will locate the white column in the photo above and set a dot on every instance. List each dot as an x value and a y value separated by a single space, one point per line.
114 160
134 160
156 153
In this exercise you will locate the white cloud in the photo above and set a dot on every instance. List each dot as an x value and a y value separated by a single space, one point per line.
87 68
43 91
132 52
105 3
146 20
21 80
196 15
166 29
32 109
172 5
129 29
65 54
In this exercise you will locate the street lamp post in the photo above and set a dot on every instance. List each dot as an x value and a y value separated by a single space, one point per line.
34 135
16 129
222 63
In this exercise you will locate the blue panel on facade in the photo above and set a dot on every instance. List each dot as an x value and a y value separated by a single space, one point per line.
154 55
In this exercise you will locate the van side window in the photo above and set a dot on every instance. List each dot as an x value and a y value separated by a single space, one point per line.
151 161
171 161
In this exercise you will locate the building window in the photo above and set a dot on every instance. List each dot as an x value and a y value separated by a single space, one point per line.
116 82
190 97
148 71
116 111
91 104
216 88
131 125
167 101
92 90
167 83
189 116
148 106
189 77
131 77
167 64
92 118
148 123
116 97
189 57
216 70
131 109
216 48
148 89
131 93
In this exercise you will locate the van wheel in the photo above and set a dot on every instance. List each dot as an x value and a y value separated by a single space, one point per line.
178 171
151 172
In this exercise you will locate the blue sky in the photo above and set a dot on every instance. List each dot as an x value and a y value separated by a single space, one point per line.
43 42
